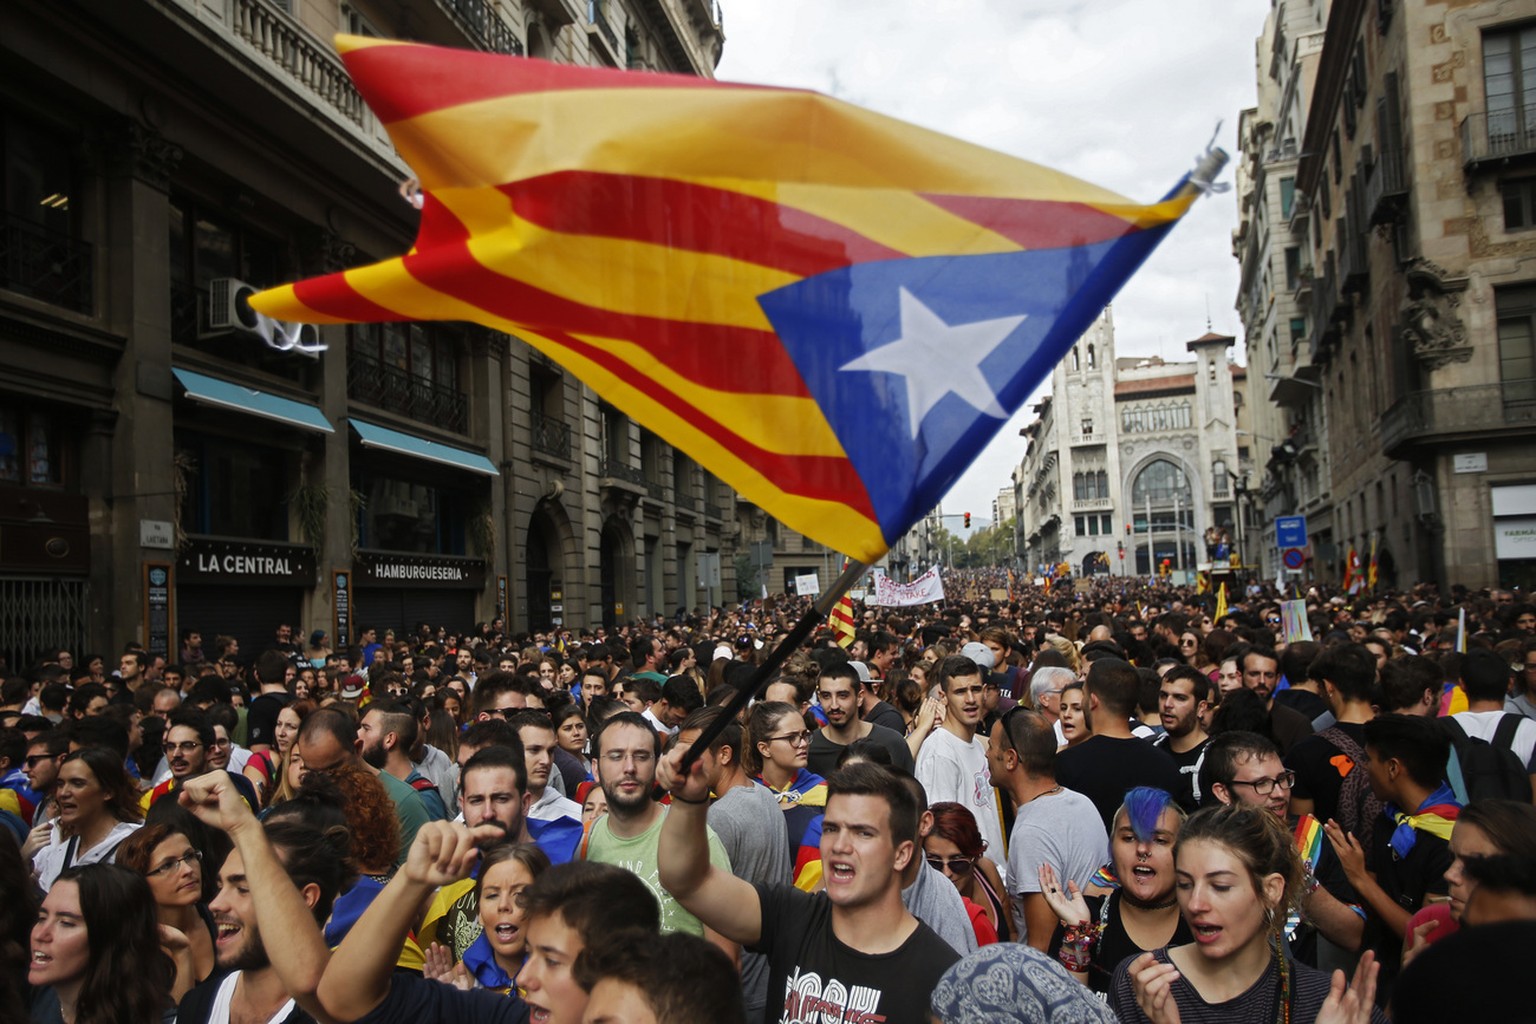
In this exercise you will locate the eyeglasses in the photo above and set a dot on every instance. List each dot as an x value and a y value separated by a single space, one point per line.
958 864
181 748
1264 787
1273 620
37 759
620 756
222 743
794 739
506 712
1190 642
185 860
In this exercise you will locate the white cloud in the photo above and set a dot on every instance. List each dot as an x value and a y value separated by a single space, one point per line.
1122 93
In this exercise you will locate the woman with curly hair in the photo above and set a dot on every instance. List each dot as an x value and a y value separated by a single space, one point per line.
96 956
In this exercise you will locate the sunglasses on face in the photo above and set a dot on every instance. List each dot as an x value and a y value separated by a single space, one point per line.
957 864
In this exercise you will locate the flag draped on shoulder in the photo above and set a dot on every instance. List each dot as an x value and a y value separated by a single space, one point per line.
831 310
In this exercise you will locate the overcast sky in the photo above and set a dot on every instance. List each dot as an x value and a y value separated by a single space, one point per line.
1122 93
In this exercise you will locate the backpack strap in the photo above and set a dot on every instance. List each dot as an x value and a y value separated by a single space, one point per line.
1504 735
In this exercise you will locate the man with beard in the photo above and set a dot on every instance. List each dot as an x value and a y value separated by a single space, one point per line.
952 763
189 738
1183 699
328 740
388 732
838 691
1261 674
627 749
297 871
493 792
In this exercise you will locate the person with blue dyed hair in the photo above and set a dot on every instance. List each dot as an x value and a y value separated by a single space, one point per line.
1129 906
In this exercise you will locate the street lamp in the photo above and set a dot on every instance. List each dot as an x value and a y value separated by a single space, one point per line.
1240 491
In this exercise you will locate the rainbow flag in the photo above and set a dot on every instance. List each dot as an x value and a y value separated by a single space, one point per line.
831 310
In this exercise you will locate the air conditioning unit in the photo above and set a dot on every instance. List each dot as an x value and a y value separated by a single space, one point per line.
229 312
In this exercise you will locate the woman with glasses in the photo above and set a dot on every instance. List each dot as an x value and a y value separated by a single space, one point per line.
775 749
1192 650
172 864
955 847
98 808
1128 907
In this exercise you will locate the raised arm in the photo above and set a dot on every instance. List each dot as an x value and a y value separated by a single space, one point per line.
300 958
725 904
358 977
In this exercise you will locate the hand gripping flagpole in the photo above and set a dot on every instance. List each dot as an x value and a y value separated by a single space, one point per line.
764 674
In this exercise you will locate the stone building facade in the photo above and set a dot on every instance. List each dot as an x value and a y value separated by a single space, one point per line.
1415 206
1289 472
164 466
1131 460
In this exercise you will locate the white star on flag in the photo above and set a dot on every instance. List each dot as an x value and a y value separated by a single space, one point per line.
939 359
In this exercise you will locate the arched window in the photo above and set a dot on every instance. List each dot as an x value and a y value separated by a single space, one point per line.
1159 483
1076 360
1092 361
1219 479
1079 487
1103 479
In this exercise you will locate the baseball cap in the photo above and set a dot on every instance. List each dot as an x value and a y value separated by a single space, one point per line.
862 669
352 687
980 653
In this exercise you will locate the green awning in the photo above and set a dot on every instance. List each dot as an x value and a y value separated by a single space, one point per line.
239 398
374 436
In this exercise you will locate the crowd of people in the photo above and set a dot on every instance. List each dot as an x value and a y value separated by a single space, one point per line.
1089 802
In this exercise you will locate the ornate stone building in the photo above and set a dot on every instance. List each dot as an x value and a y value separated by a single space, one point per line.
1131 460
165 464
1414 208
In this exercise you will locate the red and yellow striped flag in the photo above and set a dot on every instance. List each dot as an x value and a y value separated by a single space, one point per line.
831 310
840 618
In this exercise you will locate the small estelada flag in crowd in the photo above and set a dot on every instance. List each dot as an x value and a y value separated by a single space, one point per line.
841 618
1372 568
831 310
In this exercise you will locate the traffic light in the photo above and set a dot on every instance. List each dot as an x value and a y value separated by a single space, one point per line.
1127 529
967 520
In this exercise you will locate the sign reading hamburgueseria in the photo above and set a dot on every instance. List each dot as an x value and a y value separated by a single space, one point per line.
383 568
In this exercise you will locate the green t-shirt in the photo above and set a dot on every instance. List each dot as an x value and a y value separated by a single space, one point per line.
638 856
409 811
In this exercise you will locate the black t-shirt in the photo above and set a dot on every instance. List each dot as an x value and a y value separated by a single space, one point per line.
414 1000
1407 880
1304 701
824 753
1320 768
813 977
1188 764
886 715
1115 944
1288 727
261 720
1103 768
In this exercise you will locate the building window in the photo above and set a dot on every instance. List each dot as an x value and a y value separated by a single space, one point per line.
234 488
1519 195
43 256
1517 343
1298 330
1161 482
1219 478
1077 363
30 448
1080 525
1106 524
1087 426
1292 267
408 368
407 515
1509 83
1092 361
1287 197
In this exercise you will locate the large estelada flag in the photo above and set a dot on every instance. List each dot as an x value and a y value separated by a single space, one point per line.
831 310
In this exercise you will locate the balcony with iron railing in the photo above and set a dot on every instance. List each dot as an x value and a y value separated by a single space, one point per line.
479 21
376 383
657 490
1386 190
598 27
1498 136
713 511
1475 412
1089 440
46 265
551 436
616 472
